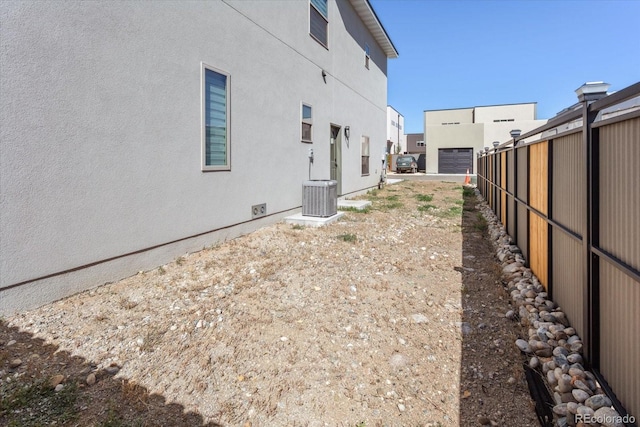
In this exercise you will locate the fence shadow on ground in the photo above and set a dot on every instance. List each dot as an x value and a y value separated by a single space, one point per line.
493 388
29 399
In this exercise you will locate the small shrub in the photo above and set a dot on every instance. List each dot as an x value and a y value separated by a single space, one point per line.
424 197
297 227
353 209
391 205
481 223
468 192
347 237
425 208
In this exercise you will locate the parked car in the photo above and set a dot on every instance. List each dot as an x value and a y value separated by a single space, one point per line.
406 163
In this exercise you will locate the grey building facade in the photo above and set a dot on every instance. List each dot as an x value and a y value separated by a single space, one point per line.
134 132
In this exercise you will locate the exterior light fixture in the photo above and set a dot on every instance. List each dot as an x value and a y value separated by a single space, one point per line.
514 134
592 91
486 149
324 76
347 132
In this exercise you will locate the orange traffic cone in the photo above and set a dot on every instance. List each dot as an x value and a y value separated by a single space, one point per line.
467 179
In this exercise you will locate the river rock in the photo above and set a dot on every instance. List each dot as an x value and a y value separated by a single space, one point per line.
572 407
564 384
580 395
609 417
578 383
598 401
523 346
560 409
534 362
574 358
560 351
512 268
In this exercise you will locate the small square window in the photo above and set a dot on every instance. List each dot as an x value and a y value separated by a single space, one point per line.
307 122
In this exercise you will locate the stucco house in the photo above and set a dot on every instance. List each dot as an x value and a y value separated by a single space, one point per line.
454 136
133 132
396 140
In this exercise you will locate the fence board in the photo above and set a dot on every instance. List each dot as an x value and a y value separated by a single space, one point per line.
523 182
523 231
503 185
620 192
619 343
568 172
538 245
538 185
567 279
511 229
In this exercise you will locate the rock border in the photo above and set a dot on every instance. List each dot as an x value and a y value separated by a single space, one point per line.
553 348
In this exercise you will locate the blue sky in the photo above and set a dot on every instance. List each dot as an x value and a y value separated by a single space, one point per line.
477 52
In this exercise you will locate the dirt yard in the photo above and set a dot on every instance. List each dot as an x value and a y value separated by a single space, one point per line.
393 316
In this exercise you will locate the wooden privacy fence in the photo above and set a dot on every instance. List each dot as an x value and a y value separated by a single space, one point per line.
570 199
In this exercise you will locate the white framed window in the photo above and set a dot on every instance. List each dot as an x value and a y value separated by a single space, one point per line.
364 142
319 21
419 143
367 55
307 123
216 147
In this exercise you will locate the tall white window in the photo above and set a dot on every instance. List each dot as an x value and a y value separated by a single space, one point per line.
365 154
307 123
215 120
319 21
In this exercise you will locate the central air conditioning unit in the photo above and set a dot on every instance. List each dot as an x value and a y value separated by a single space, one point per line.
320 198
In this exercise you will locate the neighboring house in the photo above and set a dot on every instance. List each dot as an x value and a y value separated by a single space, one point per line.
133 132
396 141
453 137
416 146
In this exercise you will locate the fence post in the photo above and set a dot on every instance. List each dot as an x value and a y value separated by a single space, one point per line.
588 93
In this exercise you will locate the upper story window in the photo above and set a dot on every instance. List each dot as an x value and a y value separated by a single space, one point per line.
319 21
307 122
215 119
419 143
367 55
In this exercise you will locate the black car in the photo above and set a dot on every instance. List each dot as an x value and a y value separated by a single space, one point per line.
406 163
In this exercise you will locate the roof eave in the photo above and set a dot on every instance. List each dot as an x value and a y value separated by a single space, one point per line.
368 15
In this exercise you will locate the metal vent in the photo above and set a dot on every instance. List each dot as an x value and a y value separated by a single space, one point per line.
320 198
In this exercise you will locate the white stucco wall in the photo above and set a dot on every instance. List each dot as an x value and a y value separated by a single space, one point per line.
438 117
451 136
517 112
101 130
395 129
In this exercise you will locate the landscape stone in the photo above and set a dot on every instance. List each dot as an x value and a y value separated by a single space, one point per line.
598 401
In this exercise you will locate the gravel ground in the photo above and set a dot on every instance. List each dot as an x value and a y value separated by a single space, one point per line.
389 317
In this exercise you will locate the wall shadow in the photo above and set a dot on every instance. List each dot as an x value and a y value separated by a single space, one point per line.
493 386
27 398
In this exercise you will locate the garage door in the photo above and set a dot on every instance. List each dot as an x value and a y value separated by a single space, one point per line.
455 160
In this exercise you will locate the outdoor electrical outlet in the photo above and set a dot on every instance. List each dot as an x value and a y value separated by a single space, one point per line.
258 210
